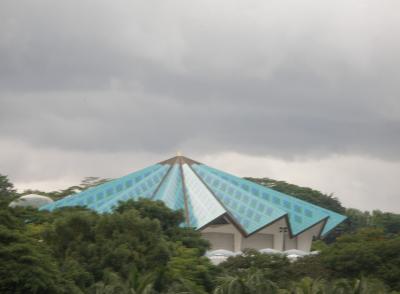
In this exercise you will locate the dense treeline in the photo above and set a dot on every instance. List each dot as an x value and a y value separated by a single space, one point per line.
79 251
140 248
86 183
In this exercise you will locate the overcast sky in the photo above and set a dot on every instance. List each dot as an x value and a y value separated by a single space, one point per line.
302 91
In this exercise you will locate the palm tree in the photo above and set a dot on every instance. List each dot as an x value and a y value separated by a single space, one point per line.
358 286
231 285
254 283
102 288
141 284
185 286
309 286
258 284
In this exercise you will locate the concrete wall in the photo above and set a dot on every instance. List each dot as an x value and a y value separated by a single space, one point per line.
227 237
290 243
220 240
274 229
269 237
258 241
209 233
304 240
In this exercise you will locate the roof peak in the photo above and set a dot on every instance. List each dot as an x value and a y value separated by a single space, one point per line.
179 158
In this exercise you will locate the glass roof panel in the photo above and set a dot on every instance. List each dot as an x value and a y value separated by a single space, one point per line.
96 196
333 220
145 188
171 190
205 207
251 212
302 215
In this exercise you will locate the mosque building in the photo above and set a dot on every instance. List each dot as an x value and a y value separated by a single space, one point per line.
231 212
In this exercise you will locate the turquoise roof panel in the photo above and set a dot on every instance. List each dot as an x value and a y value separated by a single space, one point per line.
334 220
97 196
205 207
145 188
251 212
302 215
171 192
171 189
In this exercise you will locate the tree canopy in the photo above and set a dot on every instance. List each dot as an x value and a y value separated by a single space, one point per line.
6 187
141 247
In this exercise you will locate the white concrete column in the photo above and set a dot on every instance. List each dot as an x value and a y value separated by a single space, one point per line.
278 241
238 241
304 241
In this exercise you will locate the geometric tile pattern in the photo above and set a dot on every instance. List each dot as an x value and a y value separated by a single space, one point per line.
301 214
251 212
98 196
206 207
205 194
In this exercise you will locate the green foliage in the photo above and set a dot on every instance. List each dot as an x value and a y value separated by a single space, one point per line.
156 210
256 283
169 221
356 263
252 283
188 265
117 242
140 248
357 219
26 266
310 266
273 267
6 188
308 286
389 222
88 182
368 253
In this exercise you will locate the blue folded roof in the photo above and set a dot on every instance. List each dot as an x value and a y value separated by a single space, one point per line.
205 194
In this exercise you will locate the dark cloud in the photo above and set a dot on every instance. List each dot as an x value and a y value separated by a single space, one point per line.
283 79
114 121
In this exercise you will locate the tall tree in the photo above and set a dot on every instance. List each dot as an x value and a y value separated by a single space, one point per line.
6 187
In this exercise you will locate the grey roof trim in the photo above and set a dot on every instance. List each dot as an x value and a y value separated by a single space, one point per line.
185 200
269 224
324 220
312 225
322 228
326 234
181 158
161 182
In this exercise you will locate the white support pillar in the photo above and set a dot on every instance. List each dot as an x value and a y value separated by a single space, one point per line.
238 241
278 241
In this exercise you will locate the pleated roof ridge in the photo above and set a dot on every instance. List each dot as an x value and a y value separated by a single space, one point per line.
206 194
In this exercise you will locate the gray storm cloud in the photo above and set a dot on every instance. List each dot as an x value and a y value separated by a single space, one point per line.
286 79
